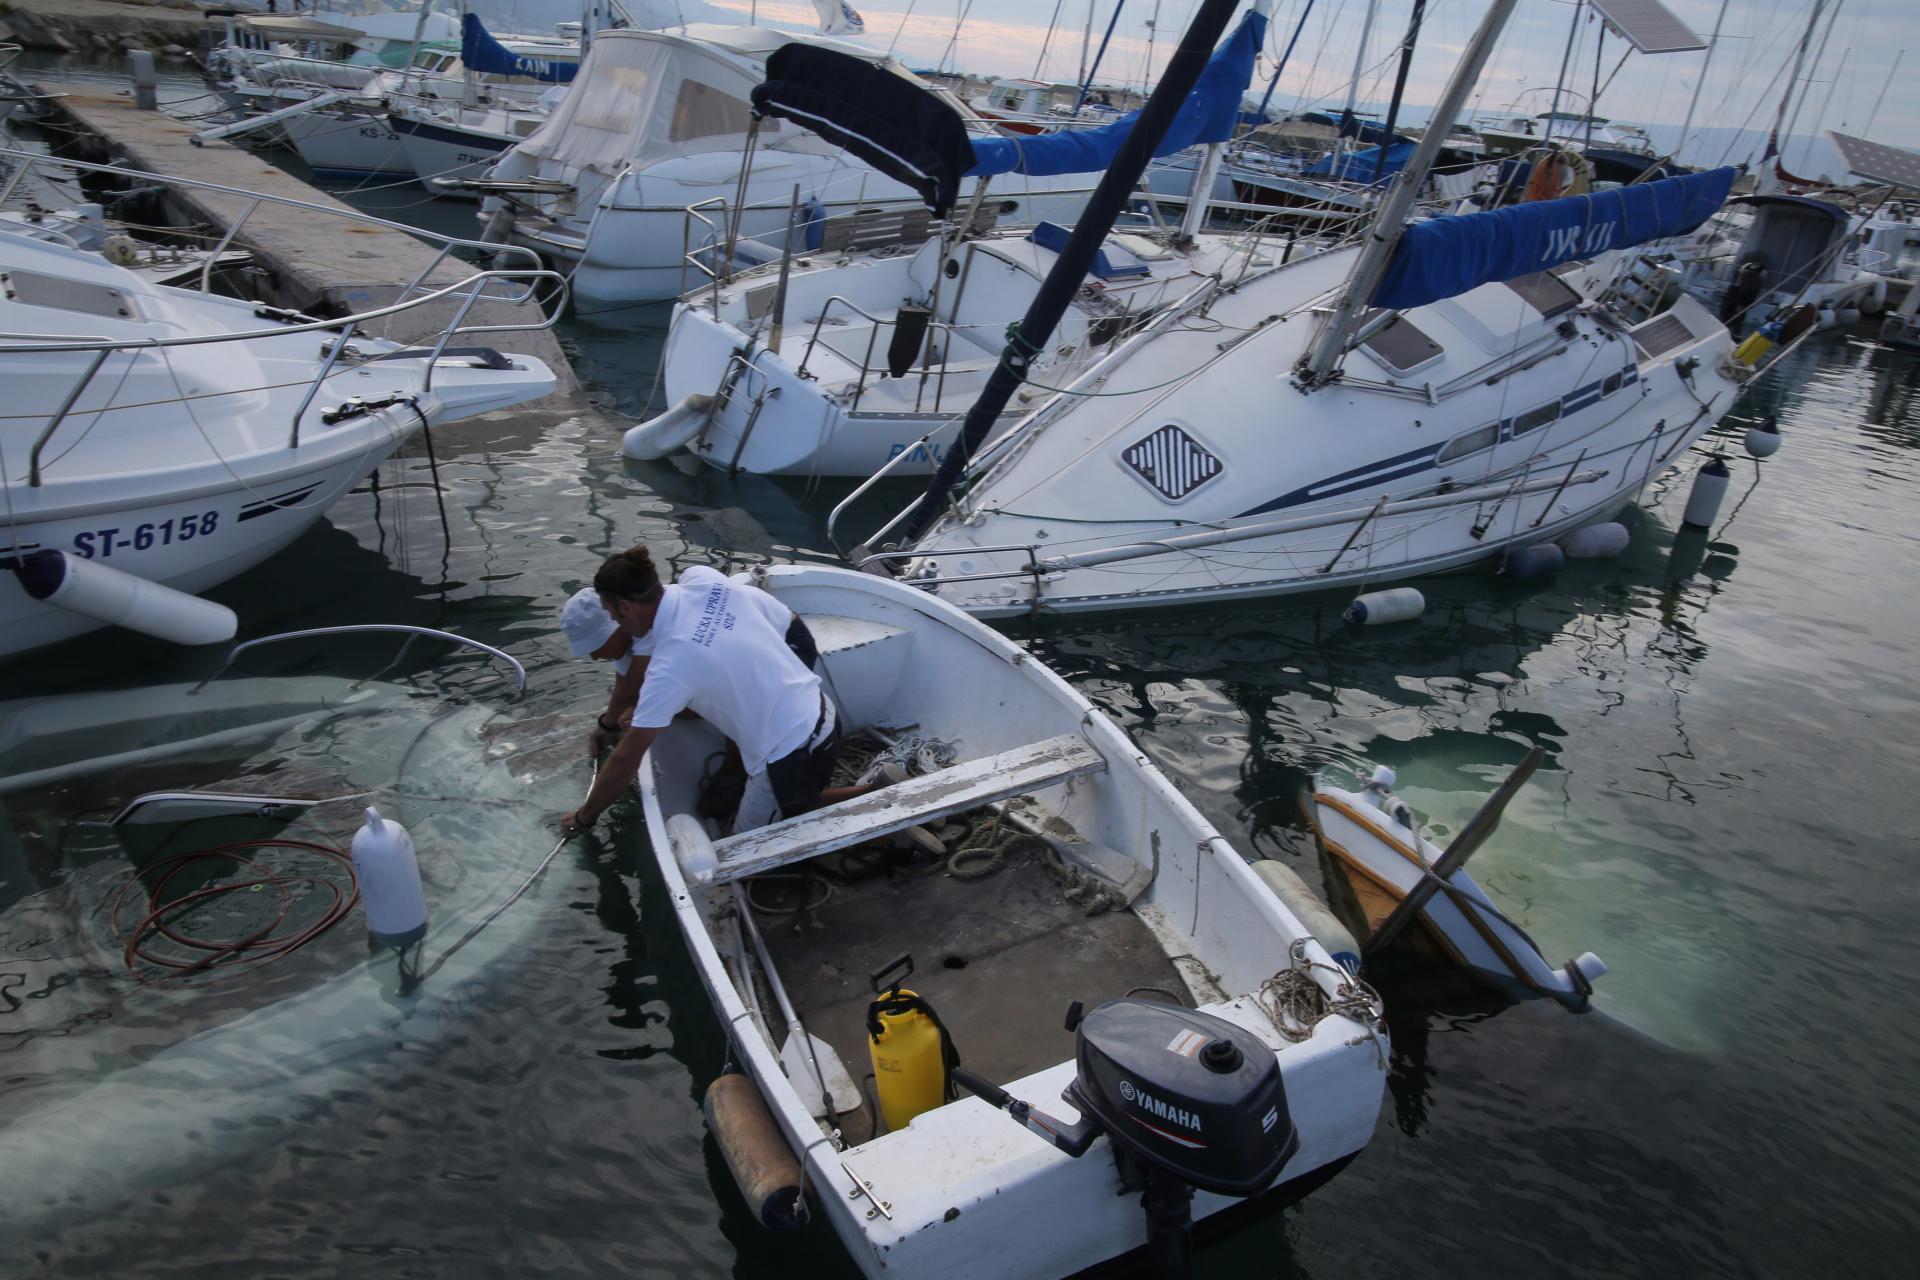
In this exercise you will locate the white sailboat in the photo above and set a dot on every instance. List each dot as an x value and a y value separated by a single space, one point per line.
1431 400
849 360
168 437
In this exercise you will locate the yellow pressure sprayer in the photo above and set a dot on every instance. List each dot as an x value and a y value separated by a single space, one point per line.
913 1056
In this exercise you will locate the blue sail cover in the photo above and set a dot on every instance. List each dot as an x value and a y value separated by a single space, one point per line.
1208 116
1444 257
480 51
1359 165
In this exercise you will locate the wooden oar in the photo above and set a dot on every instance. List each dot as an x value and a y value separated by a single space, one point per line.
1470 838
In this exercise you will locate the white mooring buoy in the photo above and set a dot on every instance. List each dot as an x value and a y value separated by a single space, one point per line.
389 875
1596 541
1397 604
1763 438
123 599
1709 487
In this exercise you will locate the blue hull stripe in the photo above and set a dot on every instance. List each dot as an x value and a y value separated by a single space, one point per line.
1407 464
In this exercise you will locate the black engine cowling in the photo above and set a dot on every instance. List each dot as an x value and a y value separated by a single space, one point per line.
1185 1091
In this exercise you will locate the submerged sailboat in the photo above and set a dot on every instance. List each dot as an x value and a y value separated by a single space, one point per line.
1440 396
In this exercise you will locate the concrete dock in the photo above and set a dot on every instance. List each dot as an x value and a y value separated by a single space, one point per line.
315 264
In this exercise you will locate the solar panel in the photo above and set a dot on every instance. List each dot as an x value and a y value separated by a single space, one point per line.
1877 162
1648 26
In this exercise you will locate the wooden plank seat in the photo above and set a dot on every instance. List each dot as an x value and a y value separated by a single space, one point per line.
932 796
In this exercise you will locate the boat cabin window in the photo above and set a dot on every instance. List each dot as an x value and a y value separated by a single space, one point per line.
1534 419
702 111
1399 345
1471 442
1614 381
1546 293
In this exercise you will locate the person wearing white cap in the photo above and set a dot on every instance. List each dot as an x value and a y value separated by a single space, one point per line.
592 633
732 654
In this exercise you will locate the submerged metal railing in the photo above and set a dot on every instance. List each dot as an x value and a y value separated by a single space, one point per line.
468 291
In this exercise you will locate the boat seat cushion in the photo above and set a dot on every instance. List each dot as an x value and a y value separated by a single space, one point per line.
968 785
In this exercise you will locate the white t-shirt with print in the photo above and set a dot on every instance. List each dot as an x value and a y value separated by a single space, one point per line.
720 647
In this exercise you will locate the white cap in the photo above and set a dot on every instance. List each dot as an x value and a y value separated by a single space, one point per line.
588 626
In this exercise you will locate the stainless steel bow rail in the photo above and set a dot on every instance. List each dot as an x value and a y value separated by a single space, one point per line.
468 291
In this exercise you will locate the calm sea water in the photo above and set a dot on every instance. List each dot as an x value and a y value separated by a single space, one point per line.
1727 815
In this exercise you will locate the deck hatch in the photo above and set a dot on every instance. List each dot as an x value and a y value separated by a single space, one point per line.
1172 462
37 290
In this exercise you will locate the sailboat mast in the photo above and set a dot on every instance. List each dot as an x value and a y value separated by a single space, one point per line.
1274 83
1706 65
1353 89
1331 342
1070 268
1799 60
1399 87
1086 81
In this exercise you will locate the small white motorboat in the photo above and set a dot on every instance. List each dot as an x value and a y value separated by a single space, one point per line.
1240 987
162 440
1375 841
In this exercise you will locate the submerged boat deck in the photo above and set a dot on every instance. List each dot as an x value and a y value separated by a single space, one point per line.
999 958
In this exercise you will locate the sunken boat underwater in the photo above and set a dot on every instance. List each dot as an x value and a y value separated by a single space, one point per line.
1092 959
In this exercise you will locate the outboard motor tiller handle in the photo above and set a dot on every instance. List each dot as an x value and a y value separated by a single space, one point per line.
1074 1139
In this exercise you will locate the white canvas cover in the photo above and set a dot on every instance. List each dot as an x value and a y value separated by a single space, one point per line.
641 96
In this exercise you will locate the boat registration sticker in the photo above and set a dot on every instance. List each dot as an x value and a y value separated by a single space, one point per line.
1188 1043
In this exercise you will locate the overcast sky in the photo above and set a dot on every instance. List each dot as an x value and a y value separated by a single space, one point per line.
1006 37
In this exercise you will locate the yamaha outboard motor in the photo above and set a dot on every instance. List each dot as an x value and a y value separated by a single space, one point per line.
1186 1099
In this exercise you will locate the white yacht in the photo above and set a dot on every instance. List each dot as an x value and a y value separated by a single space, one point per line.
643 161
177 438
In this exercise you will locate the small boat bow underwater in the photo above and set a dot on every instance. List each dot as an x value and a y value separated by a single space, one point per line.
1256 1067
1396 875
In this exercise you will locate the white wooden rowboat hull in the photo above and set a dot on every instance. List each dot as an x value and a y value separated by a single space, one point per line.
963 1191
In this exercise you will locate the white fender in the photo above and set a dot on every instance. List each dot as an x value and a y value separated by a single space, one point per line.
692 848
123 599
659 436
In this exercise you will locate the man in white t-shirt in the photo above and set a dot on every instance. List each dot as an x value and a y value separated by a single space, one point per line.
721 650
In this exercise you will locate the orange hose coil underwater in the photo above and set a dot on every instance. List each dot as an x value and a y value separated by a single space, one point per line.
255 948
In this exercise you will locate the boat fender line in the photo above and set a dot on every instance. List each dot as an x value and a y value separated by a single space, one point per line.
1709 487
659 436
389 876
1534 563
1597 541
115 596
762 1164
692 848
1763 438
1376 608
1583 971
1284 883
